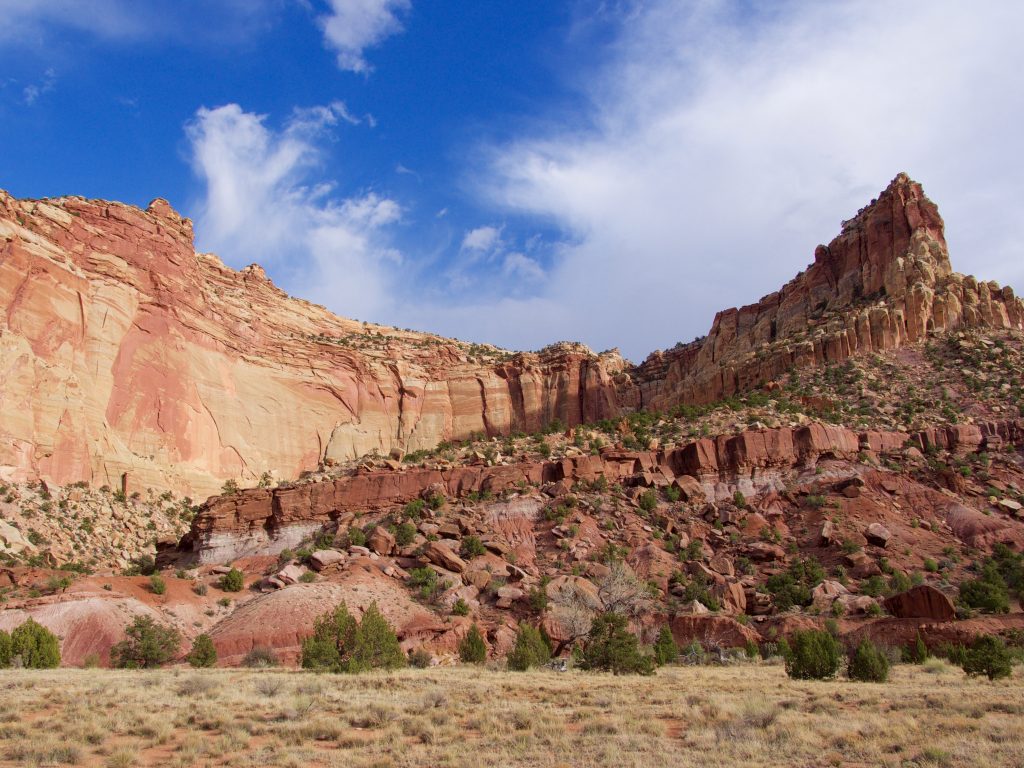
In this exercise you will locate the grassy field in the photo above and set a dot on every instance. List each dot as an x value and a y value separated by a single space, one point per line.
699 716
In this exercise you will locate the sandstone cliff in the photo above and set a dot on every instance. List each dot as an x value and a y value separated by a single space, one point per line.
885 281
122 350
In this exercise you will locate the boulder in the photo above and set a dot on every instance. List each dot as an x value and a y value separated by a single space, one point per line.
921 602
877 534
291 574
323 558
381 541
439 554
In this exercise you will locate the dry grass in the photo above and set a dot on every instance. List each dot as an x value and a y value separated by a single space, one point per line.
747 715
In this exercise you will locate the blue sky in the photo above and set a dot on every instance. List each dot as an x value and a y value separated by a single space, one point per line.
520 173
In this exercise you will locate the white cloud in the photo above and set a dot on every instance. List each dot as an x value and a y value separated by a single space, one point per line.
481 239
259 206
31 93
522 266
352 26
724 147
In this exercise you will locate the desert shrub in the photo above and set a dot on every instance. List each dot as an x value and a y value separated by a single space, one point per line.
436 501
339 643
666 650
308 577
611 647
673 494
200 589
420 658
698 589
35 645
868 664
989 656
376 645
147 645
918 652
356 537
813 655
405 534
873 586
232 581
143 565
986 593
203 653
793 586
157 584
648 500
530 649
472 648
414 509
460 608
5 649
260 657
472 547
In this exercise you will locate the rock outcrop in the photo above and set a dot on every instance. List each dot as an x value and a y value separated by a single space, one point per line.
130 360
885 281
265 521
125 352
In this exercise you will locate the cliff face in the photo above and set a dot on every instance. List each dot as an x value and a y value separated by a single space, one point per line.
885 281
122 350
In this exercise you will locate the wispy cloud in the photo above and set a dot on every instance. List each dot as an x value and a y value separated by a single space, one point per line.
31 93
263 203
481 239
352 26
719 148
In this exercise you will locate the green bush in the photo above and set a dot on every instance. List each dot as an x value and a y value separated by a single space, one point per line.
813 655
648 500
918 653
232 581
37 646
868 664
414 509
5 649
157 584
148 645
793 586
260 657
530 649
203 653
339 643
611 647
356 537
405 534
989 656
460 608
420 658
472 648
472 547
666 650
986 593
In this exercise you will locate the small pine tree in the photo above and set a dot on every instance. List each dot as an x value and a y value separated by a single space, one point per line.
868 664
989 656
530 649
5 649
203 653
472 648
376 645
666 650
147 645
611 647
37 646
332 642
232 581
813 655
920 654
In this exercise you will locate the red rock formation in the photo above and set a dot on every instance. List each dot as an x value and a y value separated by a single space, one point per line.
923 602
125 351
267 521
885 281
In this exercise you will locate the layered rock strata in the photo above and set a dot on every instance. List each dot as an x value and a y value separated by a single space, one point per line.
884 282
127 357
266 521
